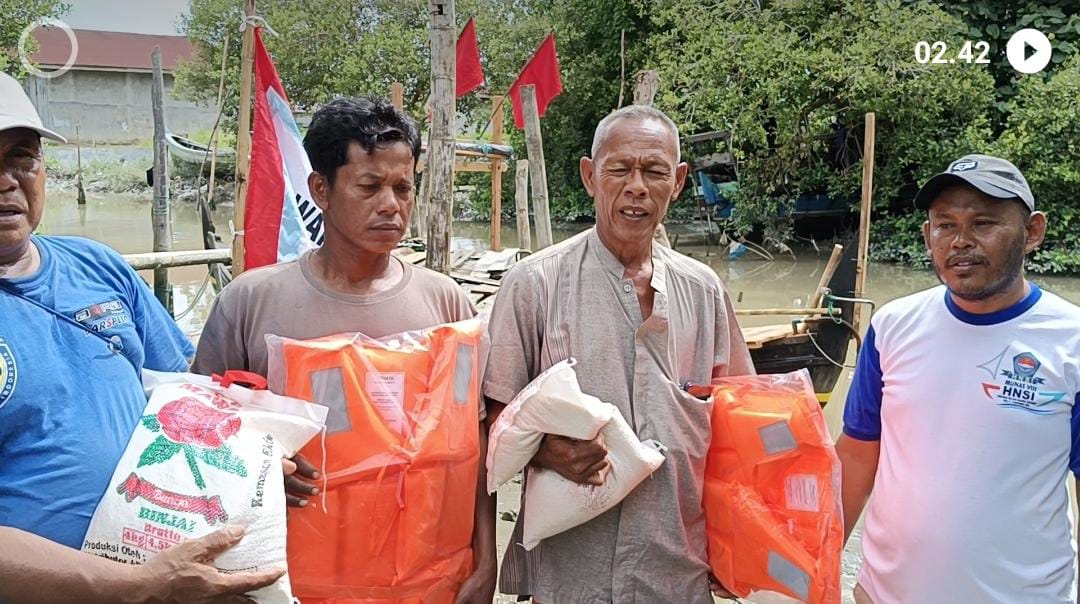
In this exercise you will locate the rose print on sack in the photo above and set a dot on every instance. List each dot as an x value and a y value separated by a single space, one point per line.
198 431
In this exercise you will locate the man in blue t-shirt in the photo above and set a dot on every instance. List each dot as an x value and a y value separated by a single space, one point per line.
963 416
77 326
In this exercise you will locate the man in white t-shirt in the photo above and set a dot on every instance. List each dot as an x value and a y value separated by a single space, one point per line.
962 416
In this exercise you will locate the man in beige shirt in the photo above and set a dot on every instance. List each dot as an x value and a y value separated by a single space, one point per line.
363 154
641 320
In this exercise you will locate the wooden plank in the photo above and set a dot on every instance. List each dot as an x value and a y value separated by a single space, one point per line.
397 95
756 337
466 166
826 277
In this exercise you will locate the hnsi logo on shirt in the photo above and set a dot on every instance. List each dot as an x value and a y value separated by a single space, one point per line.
1019 387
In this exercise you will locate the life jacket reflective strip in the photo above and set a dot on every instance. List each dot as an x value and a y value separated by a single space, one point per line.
772 489
400 495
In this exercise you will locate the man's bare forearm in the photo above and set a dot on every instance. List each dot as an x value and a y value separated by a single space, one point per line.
858 463
484 524
36 570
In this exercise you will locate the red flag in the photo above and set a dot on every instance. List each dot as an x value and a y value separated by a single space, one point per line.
281 221
542 71
470 74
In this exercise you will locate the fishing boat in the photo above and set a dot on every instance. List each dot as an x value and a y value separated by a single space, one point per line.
819 340
189 151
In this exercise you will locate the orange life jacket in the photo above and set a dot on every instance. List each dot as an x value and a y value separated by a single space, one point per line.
401 466
772 489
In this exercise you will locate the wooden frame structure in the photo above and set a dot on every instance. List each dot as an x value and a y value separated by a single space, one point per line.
474 161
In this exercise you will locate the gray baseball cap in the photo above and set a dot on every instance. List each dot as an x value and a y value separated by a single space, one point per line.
16 110
993 176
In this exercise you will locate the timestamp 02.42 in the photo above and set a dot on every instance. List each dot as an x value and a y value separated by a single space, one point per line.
939 53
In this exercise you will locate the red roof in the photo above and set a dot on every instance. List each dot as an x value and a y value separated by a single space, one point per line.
109 49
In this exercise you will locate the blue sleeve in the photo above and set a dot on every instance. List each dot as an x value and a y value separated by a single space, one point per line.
862 411
1074 454
166 348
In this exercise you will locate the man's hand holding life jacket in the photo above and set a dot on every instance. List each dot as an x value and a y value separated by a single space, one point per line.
297 488
580 461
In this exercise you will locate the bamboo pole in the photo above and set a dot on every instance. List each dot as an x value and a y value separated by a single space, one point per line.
243 139
440 168
753 312
496 176
865 206
159 212
214 137
158 260
78 160
534 142
521 201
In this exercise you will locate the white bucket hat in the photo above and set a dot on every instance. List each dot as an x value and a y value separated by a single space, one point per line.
16 110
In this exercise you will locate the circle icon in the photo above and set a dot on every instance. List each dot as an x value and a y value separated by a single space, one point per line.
25 60
1028 41
952 60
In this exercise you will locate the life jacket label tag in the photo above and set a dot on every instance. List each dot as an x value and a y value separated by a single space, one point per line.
801 492
387 392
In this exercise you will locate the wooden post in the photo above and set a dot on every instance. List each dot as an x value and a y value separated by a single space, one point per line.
216 134
440 157
159 212
397 95
496 175
521 201
865 206
243 139
78 162
646 85
534 142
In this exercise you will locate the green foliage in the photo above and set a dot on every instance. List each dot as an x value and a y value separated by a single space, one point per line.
15 16
995 21
791 82
898 238
363 47
1042 138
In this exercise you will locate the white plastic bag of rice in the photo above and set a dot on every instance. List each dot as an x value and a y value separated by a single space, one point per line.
553 403
204 456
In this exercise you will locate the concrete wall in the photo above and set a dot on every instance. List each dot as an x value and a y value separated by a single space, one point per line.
111 106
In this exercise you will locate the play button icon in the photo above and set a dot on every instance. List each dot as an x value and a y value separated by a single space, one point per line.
1028 51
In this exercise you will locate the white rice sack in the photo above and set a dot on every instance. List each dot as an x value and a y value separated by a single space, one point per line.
553 403
203 457
554 504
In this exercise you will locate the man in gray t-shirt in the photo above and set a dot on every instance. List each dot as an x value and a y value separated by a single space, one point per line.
363 154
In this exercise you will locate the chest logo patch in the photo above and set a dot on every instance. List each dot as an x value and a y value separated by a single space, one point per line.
103 316
9 372
1018 385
